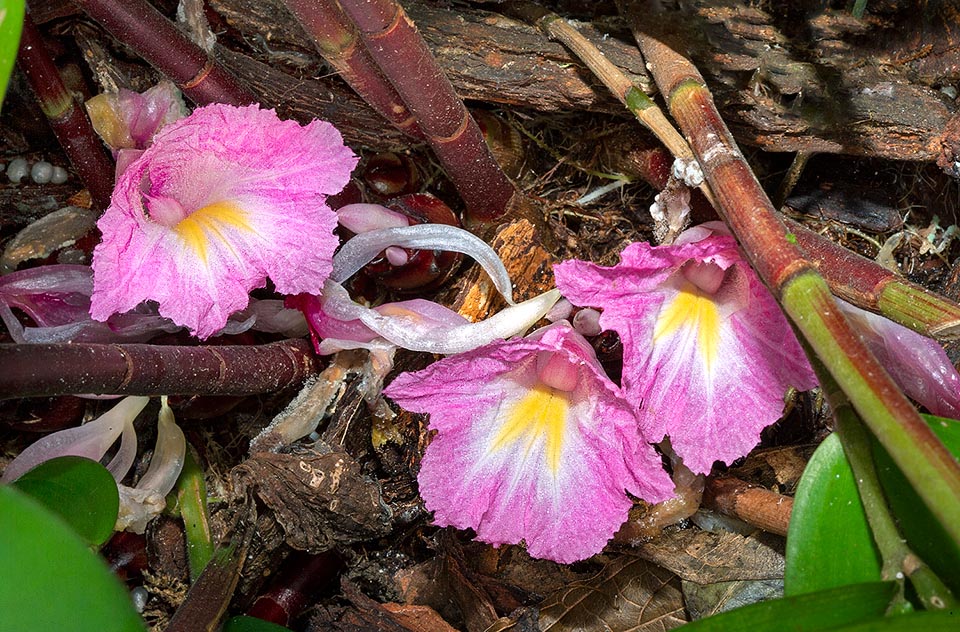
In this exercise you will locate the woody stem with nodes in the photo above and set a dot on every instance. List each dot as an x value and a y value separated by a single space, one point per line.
68 120
801 291
394 44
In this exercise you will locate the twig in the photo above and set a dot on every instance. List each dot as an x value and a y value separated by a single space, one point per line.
869 285
336 38
754 505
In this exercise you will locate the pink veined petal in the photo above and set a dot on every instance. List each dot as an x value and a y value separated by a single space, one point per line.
916 363
515 478
252 188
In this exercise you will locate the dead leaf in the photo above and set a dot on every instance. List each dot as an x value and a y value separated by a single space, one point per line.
707 558
629 595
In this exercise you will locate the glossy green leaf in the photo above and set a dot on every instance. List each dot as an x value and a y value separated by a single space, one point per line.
829 542
80 490
922 531
923 621
11 22
812 611
51 580
252 624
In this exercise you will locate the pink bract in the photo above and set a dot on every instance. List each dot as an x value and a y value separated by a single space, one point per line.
534 444
221 200
708 355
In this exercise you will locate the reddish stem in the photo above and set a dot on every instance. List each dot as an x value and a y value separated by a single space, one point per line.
337 40
403 57
157 40
35 370
69 122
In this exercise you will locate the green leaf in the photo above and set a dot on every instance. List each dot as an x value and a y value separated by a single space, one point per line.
829 542
926 621
80 490
252 624
924 534
812 611
11 22
51 580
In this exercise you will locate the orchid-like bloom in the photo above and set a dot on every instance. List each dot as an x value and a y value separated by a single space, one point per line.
707 354
534 443
221 200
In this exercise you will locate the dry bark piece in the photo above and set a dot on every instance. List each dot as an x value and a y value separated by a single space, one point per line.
628 594
320 499
47 235
706 558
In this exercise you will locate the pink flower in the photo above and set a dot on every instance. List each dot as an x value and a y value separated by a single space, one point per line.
221 200
708 355
534 443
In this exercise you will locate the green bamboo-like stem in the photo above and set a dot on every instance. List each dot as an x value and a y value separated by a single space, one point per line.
633 98
403 57
337 39
68 120
156 39
804 295
40 370
869 285
898 560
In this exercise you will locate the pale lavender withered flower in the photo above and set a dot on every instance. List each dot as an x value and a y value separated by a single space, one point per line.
534 444
91 440
708 355
338 322
221 200
57 299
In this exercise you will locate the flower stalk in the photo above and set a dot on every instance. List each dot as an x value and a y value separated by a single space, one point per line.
898 561
802 292
157 40
67 118
872 287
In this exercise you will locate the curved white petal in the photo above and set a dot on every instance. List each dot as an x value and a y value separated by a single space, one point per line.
364 248
409 332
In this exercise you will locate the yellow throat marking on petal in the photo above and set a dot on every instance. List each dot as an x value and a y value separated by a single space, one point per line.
199 226
541 413
693 309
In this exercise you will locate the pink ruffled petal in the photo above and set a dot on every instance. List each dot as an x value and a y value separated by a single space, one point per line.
239 197
517 460
708 355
